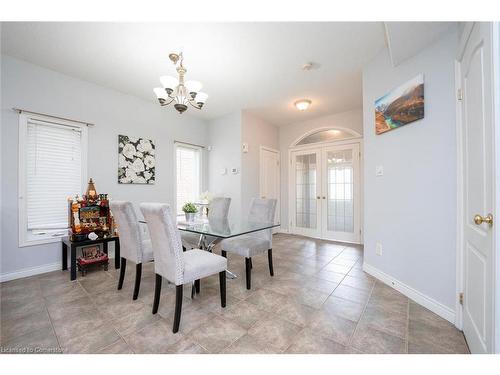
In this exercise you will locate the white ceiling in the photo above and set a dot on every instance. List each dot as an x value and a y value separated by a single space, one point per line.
406 39
254 66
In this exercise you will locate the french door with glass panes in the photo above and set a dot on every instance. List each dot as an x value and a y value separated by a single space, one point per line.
306 218
326 192
340 193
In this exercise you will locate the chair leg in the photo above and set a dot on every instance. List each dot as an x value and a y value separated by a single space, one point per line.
197 285
222 282
122 272
248 272
138 274
223 253
156 301
178 307
270 259
251 264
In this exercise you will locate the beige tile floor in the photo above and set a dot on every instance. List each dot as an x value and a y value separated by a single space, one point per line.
319 301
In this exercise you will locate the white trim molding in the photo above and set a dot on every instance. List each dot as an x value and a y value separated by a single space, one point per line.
31 271
353 132
459 286
436 307
496 108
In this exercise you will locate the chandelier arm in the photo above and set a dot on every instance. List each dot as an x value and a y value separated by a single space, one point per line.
171 100
194 105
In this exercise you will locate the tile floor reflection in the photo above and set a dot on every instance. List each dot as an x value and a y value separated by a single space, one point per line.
319 301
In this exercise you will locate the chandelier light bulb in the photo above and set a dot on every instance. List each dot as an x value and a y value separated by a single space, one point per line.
302 104
193 86
201 97
160 93
169 82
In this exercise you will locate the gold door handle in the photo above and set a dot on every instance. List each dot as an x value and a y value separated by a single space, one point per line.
324 197
263 197
478 219
318 197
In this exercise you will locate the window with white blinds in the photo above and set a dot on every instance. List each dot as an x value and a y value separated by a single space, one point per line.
189 175
52 164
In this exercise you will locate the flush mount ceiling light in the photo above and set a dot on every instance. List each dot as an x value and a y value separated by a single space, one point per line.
174 90
302 104
311 65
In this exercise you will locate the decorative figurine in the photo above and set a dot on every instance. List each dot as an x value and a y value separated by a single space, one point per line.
90 213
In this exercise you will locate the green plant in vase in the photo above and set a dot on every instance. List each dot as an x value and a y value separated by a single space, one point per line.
189 210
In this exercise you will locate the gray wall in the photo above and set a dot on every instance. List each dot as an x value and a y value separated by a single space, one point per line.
290 133
34 88
256 133
411 209
225 143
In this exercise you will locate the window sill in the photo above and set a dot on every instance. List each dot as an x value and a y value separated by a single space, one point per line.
31 240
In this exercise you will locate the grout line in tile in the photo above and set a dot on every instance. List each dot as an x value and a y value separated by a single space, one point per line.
50 318
349 343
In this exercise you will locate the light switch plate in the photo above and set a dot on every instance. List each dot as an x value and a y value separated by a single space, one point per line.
379 170
378 248
245 147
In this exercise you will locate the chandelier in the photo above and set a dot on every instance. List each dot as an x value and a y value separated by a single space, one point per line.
174 90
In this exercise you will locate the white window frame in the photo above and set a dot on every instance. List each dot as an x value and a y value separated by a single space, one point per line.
24 239
201 169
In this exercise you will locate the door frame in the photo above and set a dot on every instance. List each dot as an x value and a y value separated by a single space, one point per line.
496 199
291 195
277 152
496 181
291 182
356 148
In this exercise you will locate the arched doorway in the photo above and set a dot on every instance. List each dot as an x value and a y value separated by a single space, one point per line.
325 185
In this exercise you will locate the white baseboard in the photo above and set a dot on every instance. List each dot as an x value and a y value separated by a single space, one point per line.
281 230
30 271
38 270
420 298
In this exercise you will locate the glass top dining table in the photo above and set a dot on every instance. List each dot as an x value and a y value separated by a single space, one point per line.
213 231
221 228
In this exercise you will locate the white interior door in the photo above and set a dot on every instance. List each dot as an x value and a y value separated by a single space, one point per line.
478 138
306 193
340 193
270 177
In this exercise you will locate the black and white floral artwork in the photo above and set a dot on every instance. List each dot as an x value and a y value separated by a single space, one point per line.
136 160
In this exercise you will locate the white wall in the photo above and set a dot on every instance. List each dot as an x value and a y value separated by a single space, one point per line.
288 134
256 133
224 137
34 88
411 209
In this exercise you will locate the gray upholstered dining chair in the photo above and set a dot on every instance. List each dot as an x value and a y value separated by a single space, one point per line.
218 209
135 244
261 211
177 266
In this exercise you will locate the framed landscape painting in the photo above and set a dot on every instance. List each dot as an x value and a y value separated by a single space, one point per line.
401 106
136 160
